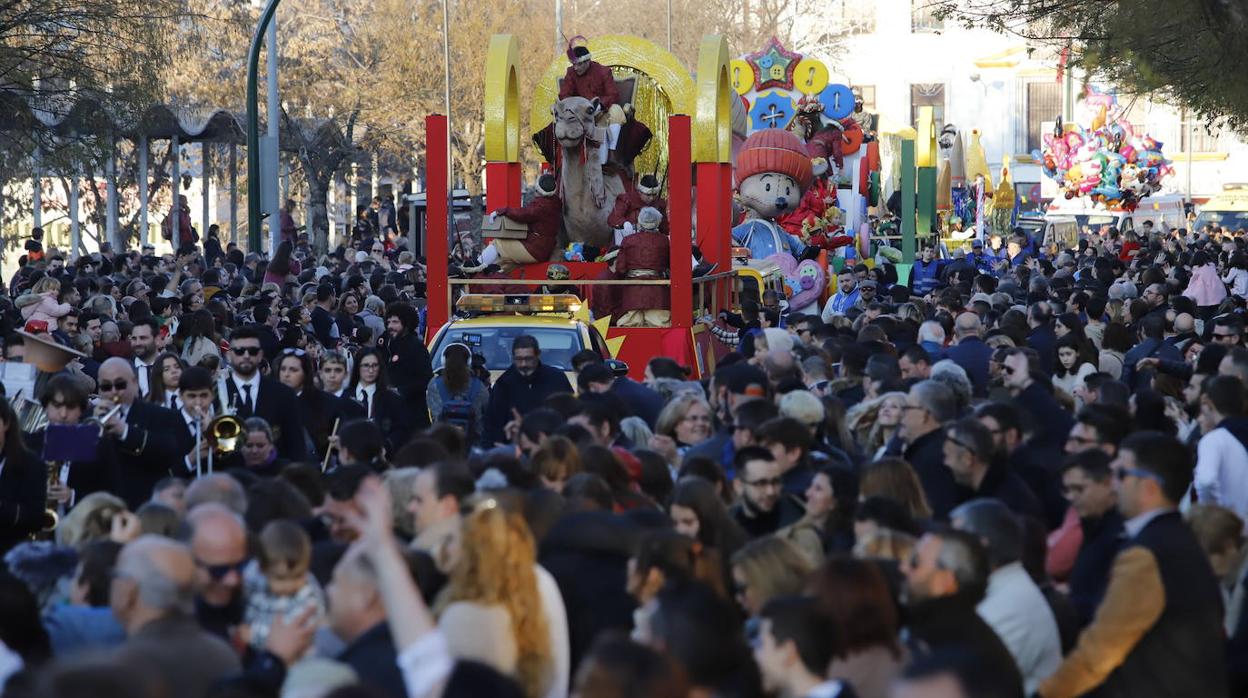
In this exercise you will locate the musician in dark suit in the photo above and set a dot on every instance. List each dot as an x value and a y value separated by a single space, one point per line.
66 403
150 441
370 387
318 409
23 483
253 395
407 360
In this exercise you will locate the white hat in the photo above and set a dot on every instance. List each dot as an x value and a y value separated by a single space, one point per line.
361 257
802 406
649 218
546 185
649 185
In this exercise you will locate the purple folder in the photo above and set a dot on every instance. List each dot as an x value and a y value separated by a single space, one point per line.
70 442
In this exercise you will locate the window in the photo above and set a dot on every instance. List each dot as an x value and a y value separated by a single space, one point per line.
868 96
1200 139
923 17
1044 104
928 94
851 17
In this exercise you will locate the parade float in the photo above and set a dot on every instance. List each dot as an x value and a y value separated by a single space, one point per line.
762 162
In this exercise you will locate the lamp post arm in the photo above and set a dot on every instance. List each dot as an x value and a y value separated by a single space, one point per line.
253 125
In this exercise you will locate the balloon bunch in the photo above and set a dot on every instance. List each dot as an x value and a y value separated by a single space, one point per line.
1106 161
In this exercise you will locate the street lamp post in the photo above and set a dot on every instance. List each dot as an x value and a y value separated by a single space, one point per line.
253 126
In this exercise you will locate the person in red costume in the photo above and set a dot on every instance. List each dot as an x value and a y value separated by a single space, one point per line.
604 300
645 254
592 80
543 215
629 203
815 201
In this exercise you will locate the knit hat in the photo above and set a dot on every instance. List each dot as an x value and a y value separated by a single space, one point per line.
649 218
649 185
774 150
546 185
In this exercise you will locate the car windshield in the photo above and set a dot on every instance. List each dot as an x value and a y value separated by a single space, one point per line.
1231 220
559 344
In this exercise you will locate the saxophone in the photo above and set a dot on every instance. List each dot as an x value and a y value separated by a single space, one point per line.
51 515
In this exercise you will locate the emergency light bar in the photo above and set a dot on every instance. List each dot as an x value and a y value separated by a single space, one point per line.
522 303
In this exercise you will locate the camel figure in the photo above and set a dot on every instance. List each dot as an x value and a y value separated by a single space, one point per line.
588 194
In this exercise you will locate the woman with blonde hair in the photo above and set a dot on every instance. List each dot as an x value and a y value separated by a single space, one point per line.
765 569
492 610
684 423
895 479
874 423
556 460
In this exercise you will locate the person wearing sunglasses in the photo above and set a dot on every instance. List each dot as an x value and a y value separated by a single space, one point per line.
1160 623
151 440
151 585
249 394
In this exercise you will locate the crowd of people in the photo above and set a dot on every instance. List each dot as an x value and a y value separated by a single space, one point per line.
1009 477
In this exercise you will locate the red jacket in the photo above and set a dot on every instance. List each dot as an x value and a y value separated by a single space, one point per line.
812 205
629 204
544 215
596 82
644 252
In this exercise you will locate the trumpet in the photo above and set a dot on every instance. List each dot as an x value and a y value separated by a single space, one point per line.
101 420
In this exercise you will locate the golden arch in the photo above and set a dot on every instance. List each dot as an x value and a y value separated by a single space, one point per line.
502 100
712 122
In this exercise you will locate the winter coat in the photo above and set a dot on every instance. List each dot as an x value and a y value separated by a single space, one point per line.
42 306
1206 287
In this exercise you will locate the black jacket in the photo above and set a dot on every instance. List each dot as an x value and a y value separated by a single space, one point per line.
410 369
951 622
1182 653
156 443
521 393
1000 482
927 456
587 554
319 410
375 661
23 497
1051 420
1102 537
788 510
390 412
277 405
644 402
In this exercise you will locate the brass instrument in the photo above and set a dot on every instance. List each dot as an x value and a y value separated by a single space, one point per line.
101 420
225 434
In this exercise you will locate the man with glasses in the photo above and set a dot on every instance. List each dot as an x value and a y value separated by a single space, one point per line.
1019 372
521 389
150 440
151 594
763 507
1227 330
946 577
1158 631
968 451
929 404
247 393
1088 485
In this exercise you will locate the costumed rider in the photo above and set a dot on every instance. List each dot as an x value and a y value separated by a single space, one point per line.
645 254
774 171
543 215
589 79
623 217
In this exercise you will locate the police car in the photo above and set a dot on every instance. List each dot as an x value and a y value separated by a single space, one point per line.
488 324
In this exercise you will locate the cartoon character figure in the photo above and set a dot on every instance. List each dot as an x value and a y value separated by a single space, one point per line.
805 280
773 171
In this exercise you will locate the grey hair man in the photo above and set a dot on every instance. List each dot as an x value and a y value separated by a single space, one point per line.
152 596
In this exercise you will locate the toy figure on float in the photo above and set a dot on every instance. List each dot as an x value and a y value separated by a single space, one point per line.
785 91
1105 160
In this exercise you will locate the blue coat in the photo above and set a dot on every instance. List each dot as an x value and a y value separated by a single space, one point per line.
973 356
